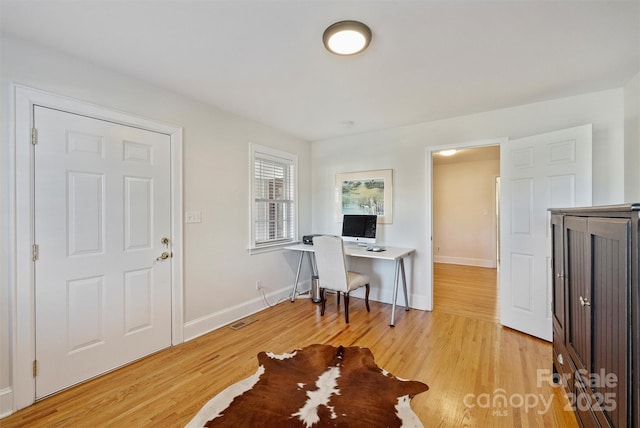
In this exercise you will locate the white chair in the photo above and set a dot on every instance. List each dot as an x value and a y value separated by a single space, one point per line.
333 274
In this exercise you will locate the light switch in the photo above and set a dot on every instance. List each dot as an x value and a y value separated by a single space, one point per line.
193 217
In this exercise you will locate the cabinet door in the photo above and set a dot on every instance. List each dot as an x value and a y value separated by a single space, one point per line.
558 295
578 281
610 303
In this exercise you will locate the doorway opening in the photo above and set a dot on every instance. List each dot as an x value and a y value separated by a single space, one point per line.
465 215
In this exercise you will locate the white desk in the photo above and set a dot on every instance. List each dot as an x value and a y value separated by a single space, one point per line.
391 253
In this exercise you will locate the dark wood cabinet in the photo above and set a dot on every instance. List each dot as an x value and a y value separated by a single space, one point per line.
595 312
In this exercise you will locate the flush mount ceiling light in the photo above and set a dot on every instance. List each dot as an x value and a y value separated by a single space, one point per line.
447 152
346 37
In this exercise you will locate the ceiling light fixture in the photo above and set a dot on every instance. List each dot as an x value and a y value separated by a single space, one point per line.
447 152
346 37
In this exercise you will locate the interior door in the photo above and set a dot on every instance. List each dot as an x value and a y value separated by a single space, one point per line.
102 211
537 173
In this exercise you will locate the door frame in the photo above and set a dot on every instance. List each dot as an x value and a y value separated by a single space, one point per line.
21 221
429 151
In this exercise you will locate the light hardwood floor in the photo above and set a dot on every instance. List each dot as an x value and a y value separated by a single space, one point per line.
469 363
466 290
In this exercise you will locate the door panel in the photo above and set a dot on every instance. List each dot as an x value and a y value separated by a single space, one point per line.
609 305
102 207
522 278
578 288
86 215
537 173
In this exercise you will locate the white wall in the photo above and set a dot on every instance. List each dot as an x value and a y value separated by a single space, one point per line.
464 213
219 274
632 140
403 150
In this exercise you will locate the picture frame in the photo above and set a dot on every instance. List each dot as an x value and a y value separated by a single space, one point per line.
365 192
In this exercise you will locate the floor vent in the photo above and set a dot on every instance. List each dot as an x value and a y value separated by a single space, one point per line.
242 323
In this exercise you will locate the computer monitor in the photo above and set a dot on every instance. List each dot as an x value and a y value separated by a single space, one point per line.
359 228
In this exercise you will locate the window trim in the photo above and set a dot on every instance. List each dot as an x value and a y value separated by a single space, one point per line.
257 151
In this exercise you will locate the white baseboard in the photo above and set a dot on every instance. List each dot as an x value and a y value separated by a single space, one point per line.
386 296
465 261
214 321
419 302
6 402
204 325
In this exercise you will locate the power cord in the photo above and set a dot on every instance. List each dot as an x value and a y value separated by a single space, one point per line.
264 298
302 294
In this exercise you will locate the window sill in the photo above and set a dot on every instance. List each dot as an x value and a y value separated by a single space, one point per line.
270 248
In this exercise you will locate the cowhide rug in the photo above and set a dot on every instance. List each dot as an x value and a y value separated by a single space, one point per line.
318 386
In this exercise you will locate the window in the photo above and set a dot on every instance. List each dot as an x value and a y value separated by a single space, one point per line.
273 197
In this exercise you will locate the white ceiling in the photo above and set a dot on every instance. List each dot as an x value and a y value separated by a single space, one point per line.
468 155
428 60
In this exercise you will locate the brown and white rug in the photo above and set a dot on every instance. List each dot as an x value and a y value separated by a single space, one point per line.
318 386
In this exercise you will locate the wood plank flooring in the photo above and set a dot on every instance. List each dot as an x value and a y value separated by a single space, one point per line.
469 363
469 291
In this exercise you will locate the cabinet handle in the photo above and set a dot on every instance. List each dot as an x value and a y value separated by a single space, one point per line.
559 275
584 301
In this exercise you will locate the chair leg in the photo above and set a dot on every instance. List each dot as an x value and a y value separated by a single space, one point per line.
366 298
346 307
338 294
323 301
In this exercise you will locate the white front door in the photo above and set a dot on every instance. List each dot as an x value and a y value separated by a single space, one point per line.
102 208
551 170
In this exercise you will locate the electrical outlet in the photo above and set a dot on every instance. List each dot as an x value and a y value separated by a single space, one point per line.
258 285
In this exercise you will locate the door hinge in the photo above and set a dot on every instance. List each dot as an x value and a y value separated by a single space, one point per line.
34 136
36 252
35 368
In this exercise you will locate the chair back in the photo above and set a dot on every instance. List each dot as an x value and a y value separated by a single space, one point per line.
331 262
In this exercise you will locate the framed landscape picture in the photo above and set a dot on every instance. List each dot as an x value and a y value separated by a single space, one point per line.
365 192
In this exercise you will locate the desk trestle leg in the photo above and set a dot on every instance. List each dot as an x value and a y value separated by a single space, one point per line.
395 294
399 271
314 271
295 284
404 286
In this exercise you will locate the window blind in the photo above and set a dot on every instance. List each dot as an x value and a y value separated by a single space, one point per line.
274 203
